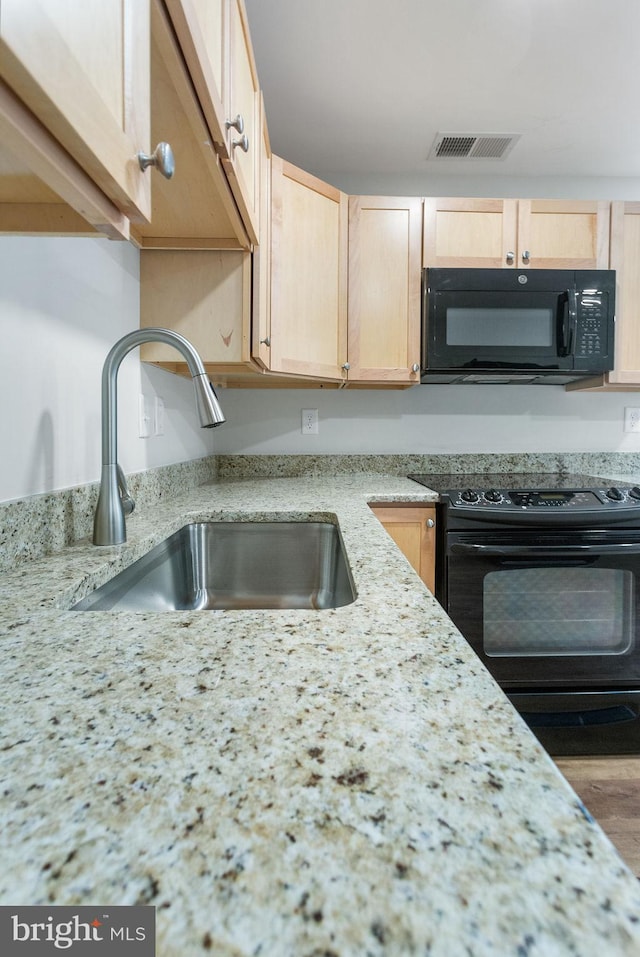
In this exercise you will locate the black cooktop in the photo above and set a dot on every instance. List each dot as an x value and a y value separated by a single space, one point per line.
445 481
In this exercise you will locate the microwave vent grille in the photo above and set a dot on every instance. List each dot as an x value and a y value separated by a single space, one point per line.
491 146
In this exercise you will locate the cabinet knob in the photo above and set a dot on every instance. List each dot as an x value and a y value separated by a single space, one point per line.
346 367
243 143
430 523
161 158
415 367
526 256
266 341
237 124
511 257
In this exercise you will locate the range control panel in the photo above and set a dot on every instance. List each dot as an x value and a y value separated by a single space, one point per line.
500 500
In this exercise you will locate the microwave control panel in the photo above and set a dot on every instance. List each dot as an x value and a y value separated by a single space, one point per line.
592 311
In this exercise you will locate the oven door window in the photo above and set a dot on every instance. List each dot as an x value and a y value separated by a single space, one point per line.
558 611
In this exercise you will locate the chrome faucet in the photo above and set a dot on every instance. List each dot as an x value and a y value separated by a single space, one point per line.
114 500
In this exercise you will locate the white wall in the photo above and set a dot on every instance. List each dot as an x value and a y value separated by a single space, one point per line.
432 183
63 303
427 419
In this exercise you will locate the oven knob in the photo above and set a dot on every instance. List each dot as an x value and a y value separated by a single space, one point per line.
469 495
615 494
493 495
634 492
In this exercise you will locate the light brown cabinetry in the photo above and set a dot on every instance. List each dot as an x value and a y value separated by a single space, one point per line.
204 295
74 111
345 283
261 318
413 529
215 42
470 233
383 340
308 333
522 234
625 259
196 208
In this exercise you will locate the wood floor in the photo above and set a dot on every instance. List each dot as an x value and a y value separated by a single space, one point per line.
610 790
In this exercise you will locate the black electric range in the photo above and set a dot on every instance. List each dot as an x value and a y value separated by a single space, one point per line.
541 574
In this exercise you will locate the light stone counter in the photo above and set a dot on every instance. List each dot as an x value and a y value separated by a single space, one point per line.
345 783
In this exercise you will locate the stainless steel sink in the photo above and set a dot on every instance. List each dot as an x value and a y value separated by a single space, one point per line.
208 565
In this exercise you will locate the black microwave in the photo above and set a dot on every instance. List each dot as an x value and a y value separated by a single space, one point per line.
536 326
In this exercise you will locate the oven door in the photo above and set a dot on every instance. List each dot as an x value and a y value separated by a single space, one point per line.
554 610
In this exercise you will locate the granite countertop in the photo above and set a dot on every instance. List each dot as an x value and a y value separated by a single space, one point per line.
333 783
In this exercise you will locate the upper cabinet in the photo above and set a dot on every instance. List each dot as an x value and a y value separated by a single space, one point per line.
471 233
215 42
625 259
562 234
522 234
87 92
385 239
308 282
343 297
74 104
195 209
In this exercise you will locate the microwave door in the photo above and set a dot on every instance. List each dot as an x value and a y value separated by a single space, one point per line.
498 330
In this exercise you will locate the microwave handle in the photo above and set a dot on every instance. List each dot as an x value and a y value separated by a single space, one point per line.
569 322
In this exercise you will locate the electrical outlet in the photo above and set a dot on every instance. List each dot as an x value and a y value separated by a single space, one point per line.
158 425
631 419
144 416
309 422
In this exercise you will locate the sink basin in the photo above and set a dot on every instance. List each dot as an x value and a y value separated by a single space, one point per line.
207 565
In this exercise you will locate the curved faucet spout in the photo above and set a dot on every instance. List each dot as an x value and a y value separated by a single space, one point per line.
114 499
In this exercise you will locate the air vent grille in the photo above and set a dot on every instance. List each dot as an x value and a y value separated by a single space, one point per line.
491 146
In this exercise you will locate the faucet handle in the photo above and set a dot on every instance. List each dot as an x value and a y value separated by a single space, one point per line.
128 501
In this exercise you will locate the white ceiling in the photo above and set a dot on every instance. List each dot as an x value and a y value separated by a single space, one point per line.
363 86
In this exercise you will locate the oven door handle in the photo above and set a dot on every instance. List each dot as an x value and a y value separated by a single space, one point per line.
544 551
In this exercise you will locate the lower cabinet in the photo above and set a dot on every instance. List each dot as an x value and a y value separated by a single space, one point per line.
413 529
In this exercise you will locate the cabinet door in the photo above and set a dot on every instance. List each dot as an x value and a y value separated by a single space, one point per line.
413 529
308 274
261 324
625 259
194 209
215 42
469 232
82 69
241 98
384 289
560 234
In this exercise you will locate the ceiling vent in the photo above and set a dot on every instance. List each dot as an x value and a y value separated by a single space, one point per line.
473 146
